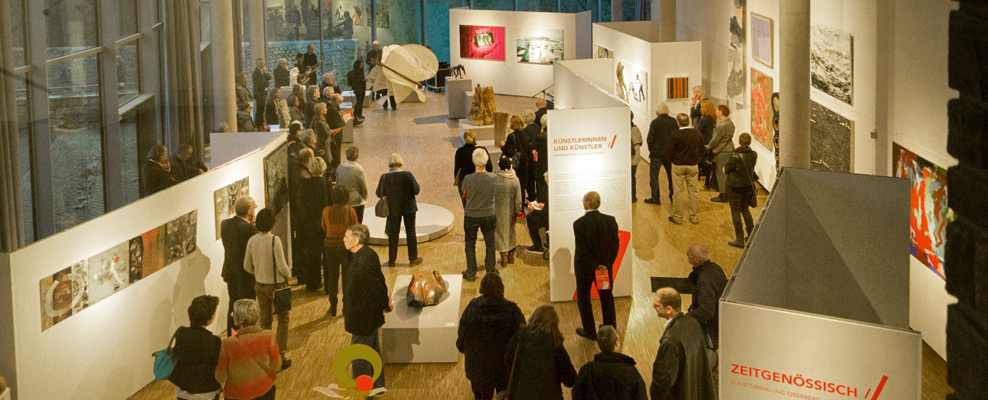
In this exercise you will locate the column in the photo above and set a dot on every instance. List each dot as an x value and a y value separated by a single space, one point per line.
224 84
667 17
617 14
794 83
258 43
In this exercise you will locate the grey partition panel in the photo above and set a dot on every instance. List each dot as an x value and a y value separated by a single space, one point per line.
760 277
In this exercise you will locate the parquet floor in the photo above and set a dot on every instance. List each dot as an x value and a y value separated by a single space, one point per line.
427 140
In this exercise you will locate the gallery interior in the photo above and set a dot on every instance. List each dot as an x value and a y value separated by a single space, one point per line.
867 267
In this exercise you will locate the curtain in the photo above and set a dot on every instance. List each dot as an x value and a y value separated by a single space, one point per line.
11 213
184 87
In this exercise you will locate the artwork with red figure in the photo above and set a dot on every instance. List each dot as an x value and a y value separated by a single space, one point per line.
929 213
482 42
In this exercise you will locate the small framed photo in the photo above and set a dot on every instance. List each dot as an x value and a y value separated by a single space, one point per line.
762 39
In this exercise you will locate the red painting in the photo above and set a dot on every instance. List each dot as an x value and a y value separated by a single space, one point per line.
929 213
482 42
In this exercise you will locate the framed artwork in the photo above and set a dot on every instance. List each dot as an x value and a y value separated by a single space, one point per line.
355 9
109 272
482 42
737 73
929 212
762 40
761 108
602 52
383 16
831 140
832 62
225 197
631 85
541 47
677 88
276 178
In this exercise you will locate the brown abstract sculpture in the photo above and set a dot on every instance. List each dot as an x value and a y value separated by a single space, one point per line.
483 108
426 288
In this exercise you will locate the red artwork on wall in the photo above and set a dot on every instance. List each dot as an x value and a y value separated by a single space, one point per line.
482 42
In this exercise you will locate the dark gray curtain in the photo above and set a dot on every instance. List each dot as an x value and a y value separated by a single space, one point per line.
11 213
182 62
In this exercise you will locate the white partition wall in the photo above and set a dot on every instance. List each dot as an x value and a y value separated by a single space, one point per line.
589 149
103 352
511 76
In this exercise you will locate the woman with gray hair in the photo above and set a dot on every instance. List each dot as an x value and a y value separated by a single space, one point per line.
400 187
249 361
265 259
463 160
282 75
313 197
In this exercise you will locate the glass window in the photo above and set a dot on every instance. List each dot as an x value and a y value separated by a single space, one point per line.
402 30
126 18
128 72
71 26
503 5
129 162
17 32
537 5
605 11
76 141
628 8
437 27
24 154
575 6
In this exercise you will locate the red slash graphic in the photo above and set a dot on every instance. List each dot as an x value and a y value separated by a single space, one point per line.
612 142
881 385
625 238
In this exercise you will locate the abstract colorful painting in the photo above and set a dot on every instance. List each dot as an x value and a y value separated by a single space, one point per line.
180 237
631 85
276 178
482 42
761 108
225 197
153 252
677 88
602 52
929 213
541 47
109 272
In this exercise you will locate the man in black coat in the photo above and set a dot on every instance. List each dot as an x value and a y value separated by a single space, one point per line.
235 232
157 171
366 298
698 98
611 375
487 324
262 79
544 108
597 246
400 188
531 131
681 370
659 132
310 61
537 216
709 282
182 168
336 124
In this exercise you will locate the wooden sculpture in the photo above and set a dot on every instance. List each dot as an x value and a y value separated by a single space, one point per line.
483 108
426 288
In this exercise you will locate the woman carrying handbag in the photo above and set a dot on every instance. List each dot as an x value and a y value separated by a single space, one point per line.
196 353
265 259
741 178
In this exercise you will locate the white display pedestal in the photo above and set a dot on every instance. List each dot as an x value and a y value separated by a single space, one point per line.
431 222
467 102
484 132
456 105
422 335
348 133
350 97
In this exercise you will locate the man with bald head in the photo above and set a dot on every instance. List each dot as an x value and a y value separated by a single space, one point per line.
597 246
235 232
709 282
681 369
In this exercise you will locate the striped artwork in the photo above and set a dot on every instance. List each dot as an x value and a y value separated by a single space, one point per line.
678 88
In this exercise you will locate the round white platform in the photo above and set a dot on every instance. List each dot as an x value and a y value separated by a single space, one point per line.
431 222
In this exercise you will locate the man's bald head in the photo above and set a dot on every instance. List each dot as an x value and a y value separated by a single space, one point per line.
541 102
698 253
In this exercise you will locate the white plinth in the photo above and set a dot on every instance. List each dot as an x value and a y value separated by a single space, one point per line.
422 335
347 133
349 96
456 106
484 132
431 222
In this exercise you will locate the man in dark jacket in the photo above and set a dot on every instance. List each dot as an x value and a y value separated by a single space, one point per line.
597 246
235 232
157 171
684 150
659 132
698 98
681 370
532 129
708 281
611 375
537 216
182 167
262 79
487 324
242 93
366 298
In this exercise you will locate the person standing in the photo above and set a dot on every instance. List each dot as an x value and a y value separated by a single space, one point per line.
358 83
517 148
507 204
265 259
329 80
532 129
351 175
335 120
478 213
262 79
659 132
197 351
486 326
684 151
181 168
597 246
705 125
323 131
249 362
741 179
310 61
244 121
708 281
636 156
681 370
311 99
235 232
157 171
542 361
537 218
400 187
543 109
463 161
242 93
336 258
313 198
696 102
276 111
611 375
721 146
540 153
366 298
282 75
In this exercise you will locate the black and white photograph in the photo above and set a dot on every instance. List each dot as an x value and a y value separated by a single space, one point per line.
831 140
832 62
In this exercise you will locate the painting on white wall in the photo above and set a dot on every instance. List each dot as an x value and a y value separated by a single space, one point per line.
831 140
832 62
631 85
737 77
541 47
602 52
762 39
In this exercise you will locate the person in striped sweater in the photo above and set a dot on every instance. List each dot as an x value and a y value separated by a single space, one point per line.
249 361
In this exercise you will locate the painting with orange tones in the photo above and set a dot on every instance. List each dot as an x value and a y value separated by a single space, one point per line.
929 213
761 108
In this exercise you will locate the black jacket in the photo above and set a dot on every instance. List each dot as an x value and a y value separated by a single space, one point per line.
538 116
709 282
737 175
659 132
366 295
486 326
180 170
517 142
373 57
401 189
685 147
541 367
357 80
156 178
706 127
235 233
597 243
463 161
308 112
610 376
282 77
540 143
680 370
196 353
313 197
262 79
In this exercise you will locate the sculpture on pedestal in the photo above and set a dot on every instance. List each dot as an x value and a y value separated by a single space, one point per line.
426 288
483 108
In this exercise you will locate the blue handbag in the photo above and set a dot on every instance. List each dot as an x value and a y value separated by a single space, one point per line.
164 361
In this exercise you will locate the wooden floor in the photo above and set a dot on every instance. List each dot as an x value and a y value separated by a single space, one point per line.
427 140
